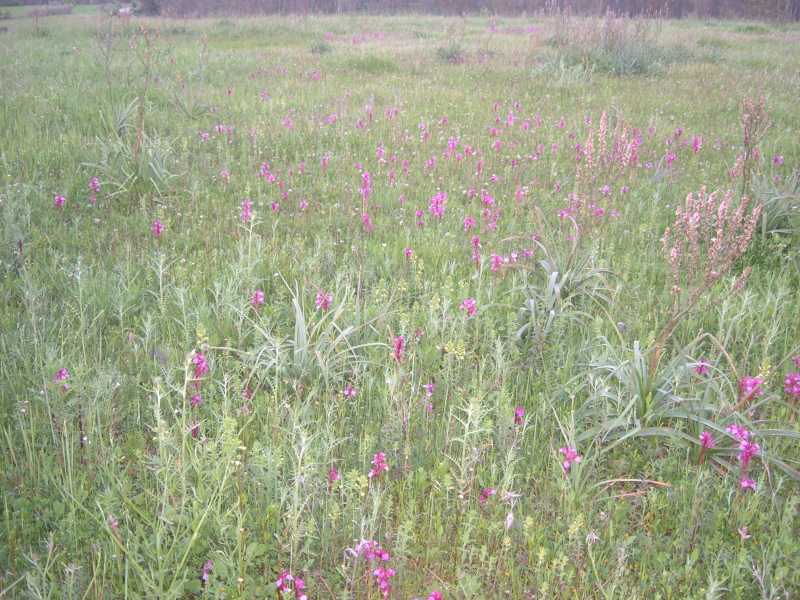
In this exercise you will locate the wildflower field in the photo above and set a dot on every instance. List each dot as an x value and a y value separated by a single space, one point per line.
399 307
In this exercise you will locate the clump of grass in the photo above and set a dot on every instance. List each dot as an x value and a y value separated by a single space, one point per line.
453 54
51 10
321 47
618 46
751 28
374 65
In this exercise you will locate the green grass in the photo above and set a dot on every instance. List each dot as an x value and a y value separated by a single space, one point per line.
137 507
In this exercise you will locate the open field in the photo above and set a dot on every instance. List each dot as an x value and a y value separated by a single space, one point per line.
383 303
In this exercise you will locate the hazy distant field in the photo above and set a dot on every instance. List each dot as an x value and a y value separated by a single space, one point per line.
360 307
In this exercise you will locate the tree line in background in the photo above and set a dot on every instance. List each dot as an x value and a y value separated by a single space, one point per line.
752 9
749 9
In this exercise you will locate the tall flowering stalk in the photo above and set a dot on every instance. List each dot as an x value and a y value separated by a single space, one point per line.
755 123
709 234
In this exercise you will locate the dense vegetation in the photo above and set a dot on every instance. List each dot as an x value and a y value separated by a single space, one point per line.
362 307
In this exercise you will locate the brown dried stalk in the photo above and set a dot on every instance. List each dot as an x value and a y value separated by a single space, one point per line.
709 234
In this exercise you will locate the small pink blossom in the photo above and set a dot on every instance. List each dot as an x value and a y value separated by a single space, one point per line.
257 299
378 465
408 253
570 456
519 415
196 400
777 160
791 385
61 375
324 300
747 484
429 388
59 200
247 210
469 306
744 534
707 440
750 387
738 432
333 475
200 365
399 346
349 391
702 368
206 571
156 228
485 494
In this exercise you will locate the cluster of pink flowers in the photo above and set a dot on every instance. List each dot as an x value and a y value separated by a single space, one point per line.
61 377
372 552
59 200
201 369
378 465
702 367
94 189
247 210
156 228
398 349
747 450
286 581
324 301
519 415
570 456
791 385
485 494
750 387
257 299
469 306
437 205
349 391
205 571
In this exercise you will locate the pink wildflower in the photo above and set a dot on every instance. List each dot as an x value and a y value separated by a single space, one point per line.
747 450
284 579
519 415
707 440
59 200
333 475
349 391
469 306
324 300
200 365
791 385
399 348
485 494
570 456
744 534
196 400
205 571
156 228
435 596
702 367
738 432
247 210
61 375
257 299
378 465
408 253
469 223
747 484
750 387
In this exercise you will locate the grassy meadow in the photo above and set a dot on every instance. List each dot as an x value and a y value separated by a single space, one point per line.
399 307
